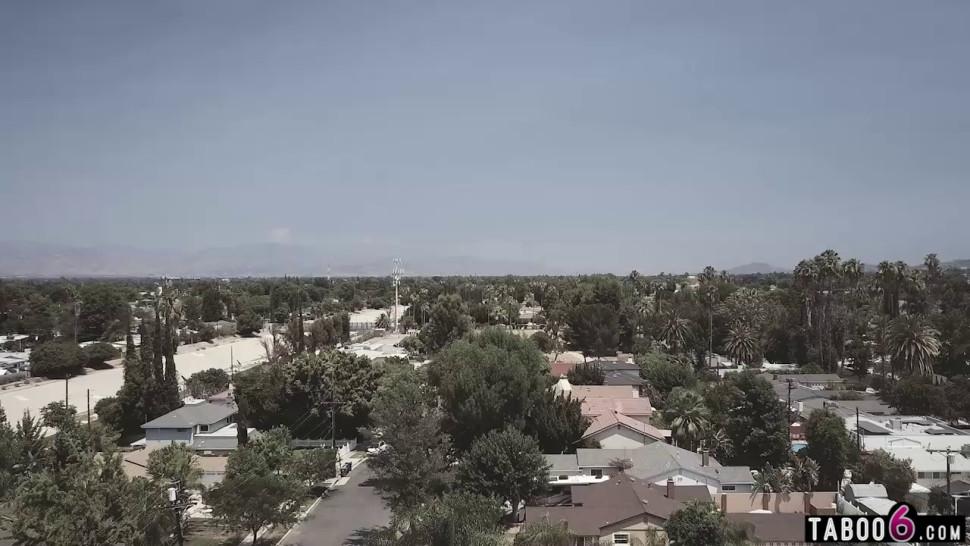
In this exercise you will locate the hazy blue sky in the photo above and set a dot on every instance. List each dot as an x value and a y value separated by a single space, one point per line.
592 134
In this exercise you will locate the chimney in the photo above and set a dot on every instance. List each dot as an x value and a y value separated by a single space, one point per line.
705 458
808 503
670 488
724 503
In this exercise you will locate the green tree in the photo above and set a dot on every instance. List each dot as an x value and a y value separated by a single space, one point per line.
487 382
98 354
586 374
593 329
896 474
248 323
544 533
697 523
665 373
103 313
746 406
455 518
87 502
212 306
413 468
175 466
313 466
829 446
506 464
543 341
253 494
56 360
687 416
804 473
918 396
207 382
939 502
676 332
557 422
743 345
914 343
449 321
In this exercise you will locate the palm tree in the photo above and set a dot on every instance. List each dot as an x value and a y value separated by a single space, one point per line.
717 441
803 473
687 415
675 332
621 464
770 480
382 322
914 342
743 344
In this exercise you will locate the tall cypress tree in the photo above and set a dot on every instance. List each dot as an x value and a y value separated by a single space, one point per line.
145 345
158 372
171 375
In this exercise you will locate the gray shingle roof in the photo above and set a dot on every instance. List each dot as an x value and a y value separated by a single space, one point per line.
561 463
655 460
191 415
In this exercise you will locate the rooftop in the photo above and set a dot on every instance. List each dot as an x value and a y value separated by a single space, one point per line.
627 406
659 459
621 498
204 413
604 421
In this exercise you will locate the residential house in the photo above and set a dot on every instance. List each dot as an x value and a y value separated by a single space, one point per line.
14 362
920 439
656 462
621 510
615 430
204 426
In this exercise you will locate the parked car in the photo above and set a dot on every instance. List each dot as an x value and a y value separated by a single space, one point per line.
345 469
381 446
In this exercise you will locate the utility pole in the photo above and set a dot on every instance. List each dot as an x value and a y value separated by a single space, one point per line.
789 413
66 379
396 274
173 497
89 412
858 431
949 457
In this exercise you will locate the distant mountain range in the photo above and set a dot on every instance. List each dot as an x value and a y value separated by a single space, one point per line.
270 260
249 260
757 268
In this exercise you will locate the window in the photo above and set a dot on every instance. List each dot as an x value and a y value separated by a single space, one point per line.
563 477
203 428
181 430
596 473
621 538
727 488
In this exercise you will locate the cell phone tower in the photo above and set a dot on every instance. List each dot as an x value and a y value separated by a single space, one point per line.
396 273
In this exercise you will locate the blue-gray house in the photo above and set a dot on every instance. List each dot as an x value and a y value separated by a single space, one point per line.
195 425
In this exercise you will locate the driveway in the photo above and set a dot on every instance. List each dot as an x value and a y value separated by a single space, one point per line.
335 520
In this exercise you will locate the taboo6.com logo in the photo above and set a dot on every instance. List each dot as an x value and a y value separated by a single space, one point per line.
903 524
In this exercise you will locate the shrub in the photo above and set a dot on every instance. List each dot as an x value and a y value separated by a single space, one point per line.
97 354
56 360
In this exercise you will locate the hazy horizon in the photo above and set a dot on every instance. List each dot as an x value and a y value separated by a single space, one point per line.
573 135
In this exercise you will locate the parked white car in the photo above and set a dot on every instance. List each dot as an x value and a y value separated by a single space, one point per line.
381 446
